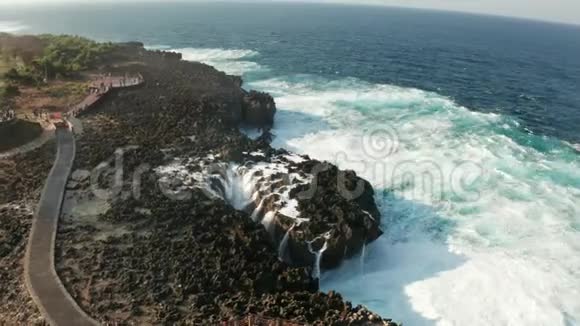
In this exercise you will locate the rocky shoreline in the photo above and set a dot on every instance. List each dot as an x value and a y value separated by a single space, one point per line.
173 216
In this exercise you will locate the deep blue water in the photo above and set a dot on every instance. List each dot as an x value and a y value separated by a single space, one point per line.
526 69
488 108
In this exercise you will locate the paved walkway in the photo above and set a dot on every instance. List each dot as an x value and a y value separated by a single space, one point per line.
44 285
54 302
100 88
107 84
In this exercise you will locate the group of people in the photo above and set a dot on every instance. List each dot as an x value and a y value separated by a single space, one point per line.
107 81
101 86
7 115
73 112
130 81
40 114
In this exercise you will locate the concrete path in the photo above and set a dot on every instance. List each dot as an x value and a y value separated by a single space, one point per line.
88 102
103 87
53 300
77 125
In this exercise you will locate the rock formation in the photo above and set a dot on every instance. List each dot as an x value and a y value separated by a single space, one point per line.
258 109
205 224
304 204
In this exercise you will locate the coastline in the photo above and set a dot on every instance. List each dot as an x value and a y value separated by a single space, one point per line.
472 154
156 258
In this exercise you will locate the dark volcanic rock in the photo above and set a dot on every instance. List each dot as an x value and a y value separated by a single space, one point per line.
162 259
340 207
304 204
16 306
238 81
258 109
24 174
21 178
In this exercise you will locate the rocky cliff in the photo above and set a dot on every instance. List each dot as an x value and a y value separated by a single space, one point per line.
202 224
258 109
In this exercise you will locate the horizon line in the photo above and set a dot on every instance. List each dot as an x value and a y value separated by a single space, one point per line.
59 3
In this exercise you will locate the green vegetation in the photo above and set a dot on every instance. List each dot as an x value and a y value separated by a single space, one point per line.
70 89
7 88
34 59
7 92
65 54
7 62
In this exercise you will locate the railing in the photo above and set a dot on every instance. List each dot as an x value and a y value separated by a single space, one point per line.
101 87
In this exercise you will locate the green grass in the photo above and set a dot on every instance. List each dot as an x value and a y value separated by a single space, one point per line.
55 57
69 89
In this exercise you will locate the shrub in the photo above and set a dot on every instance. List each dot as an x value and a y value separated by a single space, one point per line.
69 54
61 55
7 91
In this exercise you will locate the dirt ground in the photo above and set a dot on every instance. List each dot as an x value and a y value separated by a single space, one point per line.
57 96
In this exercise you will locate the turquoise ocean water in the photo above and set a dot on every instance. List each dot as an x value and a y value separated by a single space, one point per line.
467 126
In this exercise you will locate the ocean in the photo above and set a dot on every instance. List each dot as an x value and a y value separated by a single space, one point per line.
467 126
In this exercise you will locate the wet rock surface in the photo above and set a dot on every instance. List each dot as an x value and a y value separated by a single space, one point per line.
180 255
339 205
258 109
304 204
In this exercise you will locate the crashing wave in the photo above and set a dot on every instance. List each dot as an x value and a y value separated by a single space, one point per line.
270 189
11 26
231 61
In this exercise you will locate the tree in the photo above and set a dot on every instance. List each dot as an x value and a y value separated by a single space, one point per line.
61 55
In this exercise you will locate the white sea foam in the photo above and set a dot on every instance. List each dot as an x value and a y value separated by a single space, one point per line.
157 47
499 245
316 271
240 185
11 26
233 62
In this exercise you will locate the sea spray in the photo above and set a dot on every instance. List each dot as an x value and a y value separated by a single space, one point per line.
256 213
268 222
231 61
323 117
362 258
11 26
524 192
239 185
283 247
317 258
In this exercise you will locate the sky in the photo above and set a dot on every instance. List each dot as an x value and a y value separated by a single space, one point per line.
566 11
